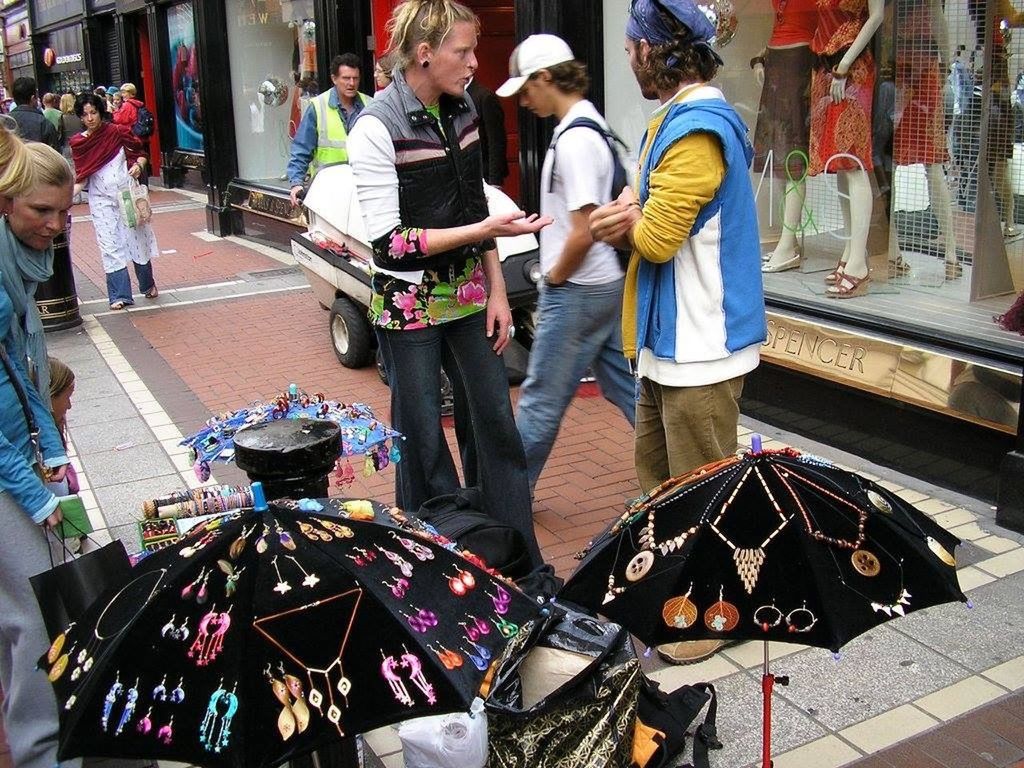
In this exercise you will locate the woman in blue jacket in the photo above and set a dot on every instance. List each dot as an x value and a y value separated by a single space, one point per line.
27 509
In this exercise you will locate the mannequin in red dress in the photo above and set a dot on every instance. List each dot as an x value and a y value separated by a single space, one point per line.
841 93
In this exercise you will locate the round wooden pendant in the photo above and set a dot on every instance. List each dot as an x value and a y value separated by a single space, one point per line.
638 567
679 612
880 502
721 617
865 562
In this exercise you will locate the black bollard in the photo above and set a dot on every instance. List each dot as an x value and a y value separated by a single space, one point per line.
57 298
292 459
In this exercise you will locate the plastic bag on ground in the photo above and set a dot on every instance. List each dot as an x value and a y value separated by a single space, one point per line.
446 741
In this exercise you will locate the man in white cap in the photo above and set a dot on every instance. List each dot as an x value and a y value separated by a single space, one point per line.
580 294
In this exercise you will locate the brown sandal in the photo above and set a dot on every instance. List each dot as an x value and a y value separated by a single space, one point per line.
152 293
836 274
848 287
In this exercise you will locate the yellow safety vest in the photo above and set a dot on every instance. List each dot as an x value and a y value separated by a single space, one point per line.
331 134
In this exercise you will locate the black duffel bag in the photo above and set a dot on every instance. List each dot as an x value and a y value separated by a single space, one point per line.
458 516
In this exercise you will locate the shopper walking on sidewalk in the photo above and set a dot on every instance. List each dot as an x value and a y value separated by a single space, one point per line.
35 218
32 124
438 291
106 157
693 312
580 303
26 509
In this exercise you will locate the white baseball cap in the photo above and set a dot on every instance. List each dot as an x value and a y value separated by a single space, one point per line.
535 53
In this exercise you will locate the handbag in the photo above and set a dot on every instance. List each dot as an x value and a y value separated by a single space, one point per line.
30 419
566 697
67 590
663 720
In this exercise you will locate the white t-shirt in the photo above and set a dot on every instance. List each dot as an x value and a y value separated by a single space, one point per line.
583 176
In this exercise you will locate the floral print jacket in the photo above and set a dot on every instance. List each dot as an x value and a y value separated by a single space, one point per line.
441 295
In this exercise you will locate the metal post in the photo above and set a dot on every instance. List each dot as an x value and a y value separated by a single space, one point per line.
57 298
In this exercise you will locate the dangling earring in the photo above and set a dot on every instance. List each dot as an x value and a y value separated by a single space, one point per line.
299 708
285 720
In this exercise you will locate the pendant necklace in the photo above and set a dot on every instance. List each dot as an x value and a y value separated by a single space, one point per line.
326 680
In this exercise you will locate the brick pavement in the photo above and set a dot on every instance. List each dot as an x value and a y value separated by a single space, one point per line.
196 261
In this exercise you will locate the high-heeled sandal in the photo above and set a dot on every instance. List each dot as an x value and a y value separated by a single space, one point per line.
836 274
152 293
849 287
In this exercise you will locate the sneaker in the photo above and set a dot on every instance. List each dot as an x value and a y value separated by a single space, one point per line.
690 651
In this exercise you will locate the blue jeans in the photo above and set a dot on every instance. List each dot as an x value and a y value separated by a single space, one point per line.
119 285
579 326
413 361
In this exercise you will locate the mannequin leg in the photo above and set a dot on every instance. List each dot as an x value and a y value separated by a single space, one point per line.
787 252
942 207
855 198
1004 197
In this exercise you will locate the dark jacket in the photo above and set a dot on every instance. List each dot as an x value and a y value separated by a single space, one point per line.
33 126
440 183
493 144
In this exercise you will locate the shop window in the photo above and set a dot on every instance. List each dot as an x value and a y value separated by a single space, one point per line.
914 174
272 50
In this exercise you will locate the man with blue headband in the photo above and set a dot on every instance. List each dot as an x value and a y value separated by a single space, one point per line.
693 307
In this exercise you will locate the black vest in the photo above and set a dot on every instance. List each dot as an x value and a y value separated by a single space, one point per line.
440 172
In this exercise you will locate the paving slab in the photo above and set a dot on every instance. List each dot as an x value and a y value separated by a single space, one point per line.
136 463
979 638
96 438
876 672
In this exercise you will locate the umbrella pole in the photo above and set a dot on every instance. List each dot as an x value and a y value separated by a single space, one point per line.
767 684
768 681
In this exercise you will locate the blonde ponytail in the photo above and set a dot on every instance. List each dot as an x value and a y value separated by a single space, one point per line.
17 172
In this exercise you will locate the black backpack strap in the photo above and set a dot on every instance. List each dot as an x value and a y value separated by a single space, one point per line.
585 122
706 735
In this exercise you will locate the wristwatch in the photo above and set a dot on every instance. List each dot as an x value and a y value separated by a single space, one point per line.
548 282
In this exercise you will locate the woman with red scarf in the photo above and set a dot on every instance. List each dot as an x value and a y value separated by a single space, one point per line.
105 156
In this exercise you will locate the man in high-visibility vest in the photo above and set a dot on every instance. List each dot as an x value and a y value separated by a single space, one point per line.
323 132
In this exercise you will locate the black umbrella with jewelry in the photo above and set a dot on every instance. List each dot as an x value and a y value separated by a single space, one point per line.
771 545
268 633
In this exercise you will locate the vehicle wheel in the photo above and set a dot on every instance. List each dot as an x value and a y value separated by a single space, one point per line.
350 334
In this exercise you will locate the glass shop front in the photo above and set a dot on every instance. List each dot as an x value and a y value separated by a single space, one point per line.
889 177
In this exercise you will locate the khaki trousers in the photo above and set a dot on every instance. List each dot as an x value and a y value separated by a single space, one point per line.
681 428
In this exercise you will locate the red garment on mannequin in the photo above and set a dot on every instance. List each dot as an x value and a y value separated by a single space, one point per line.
795 22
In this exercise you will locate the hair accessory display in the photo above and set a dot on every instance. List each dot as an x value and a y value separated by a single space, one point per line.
400 562
801 619
721 616
210 637
131 698
215 730
418 551
767 617
110 699
680 612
